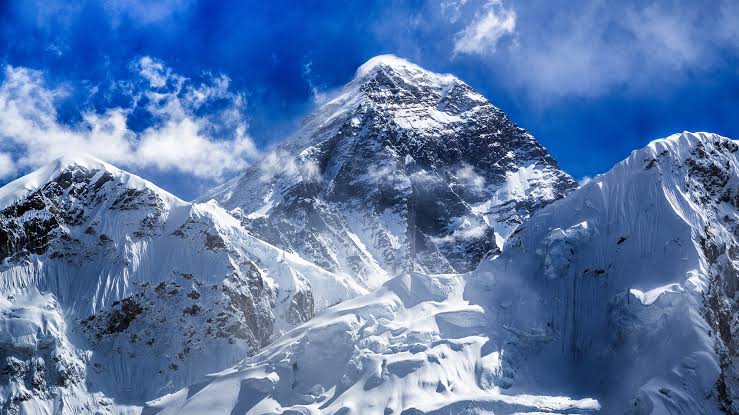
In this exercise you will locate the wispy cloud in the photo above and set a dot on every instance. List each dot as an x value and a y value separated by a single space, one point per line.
195 129
584 180
319 93
468 177
593 49
281 163
480 37
7 165
144 12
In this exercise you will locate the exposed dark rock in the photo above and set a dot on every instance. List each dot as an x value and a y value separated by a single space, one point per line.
122 316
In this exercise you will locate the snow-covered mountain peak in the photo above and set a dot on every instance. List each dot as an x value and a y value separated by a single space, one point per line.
408 70
82 160
80 168
643 265
660 154
678 145
133 278
405 169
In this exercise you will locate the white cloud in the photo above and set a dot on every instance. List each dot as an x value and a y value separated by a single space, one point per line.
452 9
466 176
463 228
153 71
7 165
584 180
181 138
382 173
281 163
602 46
481 36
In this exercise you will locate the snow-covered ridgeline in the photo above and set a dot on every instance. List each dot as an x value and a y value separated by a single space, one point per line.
631 280
153 292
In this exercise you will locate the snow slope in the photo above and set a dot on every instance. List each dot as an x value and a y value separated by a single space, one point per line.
404 169
632 280
135 291
620 298
415 345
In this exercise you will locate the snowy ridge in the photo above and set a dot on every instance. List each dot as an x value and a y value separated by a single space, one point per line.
398 65
124 266
21 187
628 269
620 298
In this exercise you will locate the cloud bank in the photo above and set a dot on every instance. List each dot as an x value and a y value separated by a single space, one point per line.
595 48
195 129
549 51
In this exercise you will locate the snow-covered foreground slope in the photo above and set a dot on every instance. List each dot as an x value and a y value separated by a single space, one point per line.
620 298
114 291
415 345
404 169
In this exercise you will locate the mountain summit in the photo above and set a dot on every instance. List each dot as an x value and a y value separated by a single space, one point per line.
404 169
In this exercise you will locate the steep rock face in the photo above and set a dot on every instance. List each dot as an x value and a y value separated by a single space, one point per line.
150 292
620 298
405 169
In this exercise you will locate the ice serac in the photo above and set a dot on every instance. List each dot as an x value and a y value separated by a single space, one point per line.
113 291
620 298
404 169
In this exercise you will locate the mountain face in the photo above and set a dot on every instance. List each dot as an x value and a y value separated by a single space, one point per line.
111 289
404 170
620 298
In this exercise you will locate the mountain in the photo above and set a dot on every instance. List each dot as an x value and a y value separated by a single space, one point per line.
113 290
619 298
404 169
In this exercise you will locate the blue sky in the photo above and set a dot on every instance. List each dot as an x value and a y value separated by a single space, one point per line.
186 92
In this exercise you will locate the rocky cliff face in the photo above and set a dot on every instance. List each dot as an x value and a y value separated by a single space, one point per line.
404 170
144 292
